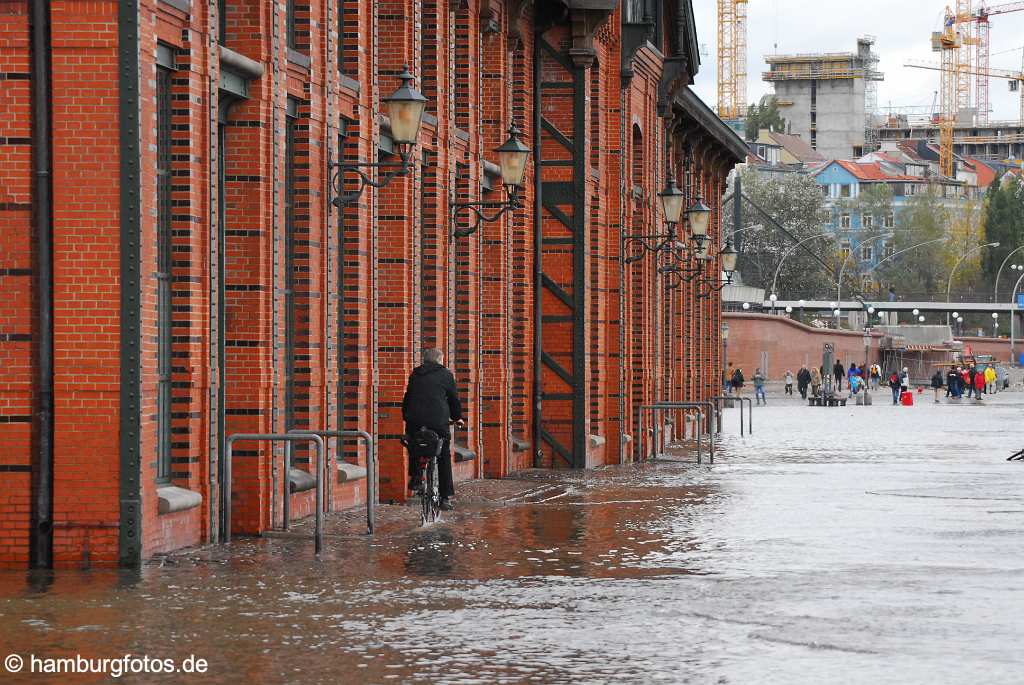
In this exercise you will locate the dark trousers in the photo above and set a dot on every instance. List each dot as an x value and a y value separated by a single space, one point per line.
446 481
896 395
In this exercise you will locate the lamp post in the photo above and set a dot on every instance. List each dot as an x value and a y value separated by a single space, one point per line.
725 351
802 302
995 324
995 289
1013 317
405 109
867 360
512 156
949 283
773 297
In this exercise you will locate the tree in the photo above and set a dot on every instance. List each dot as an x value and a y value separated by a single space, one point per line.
922 270
764 114
796 202
1004 223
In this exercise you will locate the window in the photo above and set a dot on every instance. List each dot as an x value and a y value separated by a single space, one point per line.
867 221
164 263
867 284
890 249
866 253
844 249
844 220
889 221
290 30
291 124
844 190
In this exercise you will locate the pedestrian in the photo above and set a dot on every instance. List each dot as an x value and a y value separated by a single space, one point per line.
759 380
894 385
968 376
737 382
815 381
876 376
432 401
905 380
979 384
951 379
856 383
727 379
990 379
937 384
803 379
789 382
838 372
851 372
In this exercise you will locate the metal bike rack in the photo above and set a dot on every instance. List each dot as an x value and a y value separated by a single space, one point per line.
712 410
719 402
371 471
287 438
741 400
700 407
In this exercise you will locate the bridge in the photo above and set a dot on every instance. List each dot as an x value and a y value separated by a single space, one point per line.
858 306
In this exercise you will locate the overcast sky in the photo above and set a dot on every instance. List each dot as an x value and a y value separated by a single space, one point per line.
902 30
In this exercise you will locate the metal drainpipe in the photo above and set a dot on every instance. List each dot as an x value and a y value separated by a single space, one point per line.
537 253
42 509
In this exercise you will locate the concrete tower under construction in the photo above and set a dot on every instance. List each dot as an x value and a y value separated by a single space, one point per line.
828 98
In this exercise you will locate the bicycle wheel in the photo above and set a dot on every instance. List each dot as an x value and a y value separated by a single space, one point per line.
425 496
435 496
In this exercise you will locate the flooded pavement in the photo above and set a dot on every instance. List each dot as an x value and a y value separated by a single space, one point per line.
849 545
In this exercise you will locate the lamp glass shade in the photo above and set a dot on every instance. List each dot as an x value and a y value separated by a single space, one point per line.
704 251
729 257
405 110
700 217
725 331
512 156
671 202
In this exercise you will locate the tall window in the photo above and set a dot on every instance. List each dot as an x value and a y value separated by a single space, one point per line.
844 221
867 221
290 29
289 262
890 220
844 249
866 253
164 265
890 249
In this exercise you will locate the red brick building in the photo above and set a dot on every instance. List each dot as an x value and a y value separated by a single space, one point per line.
175 272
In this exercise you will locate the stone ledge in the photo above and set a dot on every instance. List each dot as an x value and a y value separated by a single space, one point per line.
595 440
461 453
171 499
349 472
300 481
519 444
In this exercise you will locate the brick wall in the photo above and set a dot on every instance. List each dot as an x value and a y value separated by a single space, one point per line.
322 312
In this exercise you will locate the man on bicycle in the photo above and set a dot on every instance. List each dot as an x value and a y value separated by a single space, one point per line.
431 401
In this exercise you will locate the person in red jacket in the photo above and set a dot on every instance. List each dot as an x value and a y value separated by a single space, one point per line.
979 385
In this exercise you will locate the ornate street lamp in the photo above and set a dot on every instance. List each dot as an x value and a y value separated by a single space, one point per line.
512 157
637 247
698 216
405 109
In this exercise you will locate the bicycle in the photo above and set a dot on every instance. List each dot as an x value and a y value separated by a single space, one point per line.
425 445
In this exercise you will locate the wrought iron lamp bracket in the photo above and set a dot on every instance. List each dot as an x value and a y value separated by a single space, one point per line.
477 212
362 171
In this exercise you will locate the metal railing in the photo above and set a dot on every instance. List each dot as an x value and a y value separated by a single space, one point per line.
371 472
701 414
287 438
720 400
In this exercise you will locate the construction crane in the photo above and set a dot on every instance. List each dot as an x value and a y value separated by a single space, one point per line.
949 42
982 46
732 58
1013 76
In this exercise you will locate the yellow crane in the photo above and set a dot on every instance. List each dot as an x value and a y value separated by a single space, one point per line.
947 119
732 58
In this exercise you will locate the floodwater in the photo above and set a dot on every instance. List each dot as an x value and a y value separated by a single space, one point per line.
850 545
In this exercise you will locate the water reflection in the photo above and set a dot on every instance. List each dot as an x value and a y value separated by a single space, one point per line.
801 556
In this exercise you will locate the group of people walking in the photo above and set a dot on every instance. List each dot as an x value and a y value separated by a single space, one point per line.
972 381
958 381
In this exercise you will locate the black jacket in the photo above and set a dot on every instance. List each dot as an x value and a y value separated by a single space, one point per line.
803 378
838 371
431 399
937 380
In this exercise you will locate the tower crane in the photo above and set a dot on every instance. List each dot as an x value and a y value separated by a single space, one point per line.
732 58
982 50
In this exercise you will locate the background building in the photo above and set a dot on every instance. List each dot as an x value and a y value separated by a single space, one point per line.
187 274
825 98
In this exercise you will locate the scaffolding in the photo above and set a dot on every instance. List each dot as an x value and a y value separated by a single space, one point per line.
871 78
732 58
